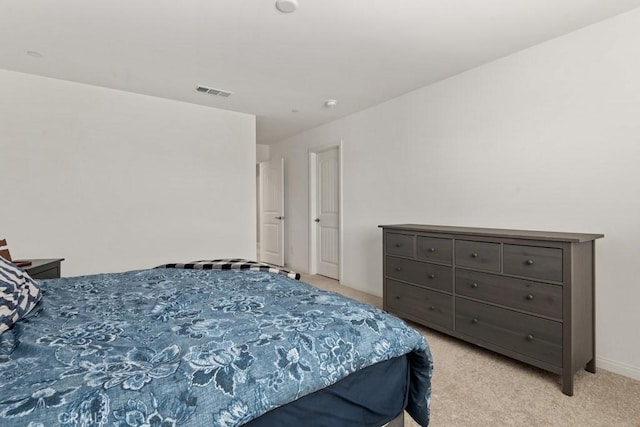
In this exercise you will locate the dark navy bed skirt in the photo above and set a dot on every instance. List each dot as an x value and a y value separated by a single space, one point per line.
367 398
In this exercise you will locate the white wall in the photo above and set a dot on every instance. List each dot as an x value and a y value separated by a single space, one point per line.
262 153
113 181
545 139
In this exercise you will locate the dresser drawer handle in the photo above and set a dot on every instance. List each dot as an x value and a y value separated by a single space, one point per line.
432 249
397 296
433 307
398 269
398 245
474 255
474 285
529 337
530 297
529 262
474 320
432 276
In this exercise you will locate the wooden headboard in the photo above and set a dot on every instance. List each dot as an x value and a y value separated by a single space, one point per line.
4 250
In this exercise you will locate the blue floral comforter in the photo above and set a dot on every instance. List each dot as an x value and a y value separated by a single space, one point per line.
169 347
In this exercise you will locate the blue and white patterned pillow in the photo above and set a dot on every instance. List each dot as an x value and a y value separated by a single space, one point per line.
19 293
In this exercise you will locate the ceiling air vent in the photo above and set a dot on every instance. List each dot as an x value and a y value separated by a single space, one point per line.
213 91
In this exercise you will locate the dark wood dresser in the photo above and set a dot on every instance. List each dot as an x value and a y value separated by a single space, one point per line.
44 268
529 295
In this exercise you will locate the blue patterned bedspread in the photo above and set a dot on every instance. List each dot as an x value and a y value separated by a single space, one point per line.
169 347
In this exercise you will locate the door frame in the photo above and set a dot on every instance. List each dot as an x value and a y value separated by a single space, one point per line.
313 178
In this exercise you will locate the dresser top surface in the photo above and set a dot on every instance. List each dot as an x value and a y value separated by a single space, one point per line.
497 232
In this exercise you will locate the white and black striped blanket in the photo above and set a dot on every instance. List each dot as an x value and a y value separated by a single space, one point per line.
233 264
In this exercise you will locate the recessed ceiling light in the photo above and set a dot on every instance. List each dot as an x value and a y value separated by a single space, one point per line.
330 103
287 6
34 54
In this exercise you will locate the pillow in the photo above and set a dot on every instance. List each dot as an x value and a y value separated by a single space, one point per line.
19 294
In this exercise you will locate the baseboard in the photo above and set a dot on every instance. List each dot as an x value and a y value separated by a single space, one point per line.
620 368
361 289
295 268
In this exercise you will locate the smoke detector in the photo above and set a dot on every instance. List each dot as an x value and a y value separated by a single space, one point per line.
214 91
287 6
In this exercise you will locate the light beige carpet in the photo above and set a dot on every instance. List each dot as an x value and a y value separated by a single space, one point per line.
476 387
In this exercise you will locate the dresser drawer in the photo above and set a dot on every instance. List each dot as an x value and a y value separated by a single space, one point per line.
44 268
533 261
400 244
430 306
435 249
421 273
481 255
538 298
531 336
50 273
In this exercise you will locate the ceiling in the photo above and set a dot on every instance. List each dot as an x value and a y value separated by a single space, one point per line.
280 67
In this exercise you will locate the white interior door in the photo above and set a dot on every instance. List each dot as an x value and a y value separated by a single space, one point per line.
272 212
328 213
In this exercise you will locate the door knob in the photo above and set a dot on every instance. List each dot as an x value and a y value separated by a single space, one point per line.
317 220
280 217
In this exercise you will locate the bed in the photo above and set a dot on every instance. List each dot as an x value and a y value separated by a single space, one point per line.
220 343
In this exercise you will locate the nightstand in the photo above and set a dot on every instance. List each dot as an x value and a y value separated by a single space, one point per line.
43 268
